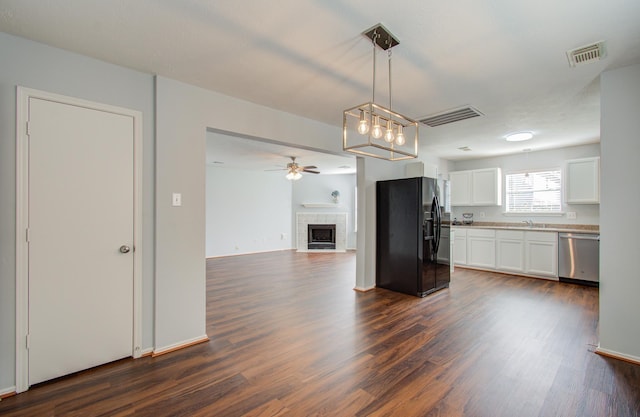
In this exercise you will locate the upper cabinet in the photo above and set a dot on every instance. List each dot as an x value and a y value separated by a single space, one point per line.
460 188
478 187
582 184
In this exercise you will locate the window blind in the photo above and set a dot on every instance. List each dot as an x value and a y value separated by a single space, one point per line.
534 192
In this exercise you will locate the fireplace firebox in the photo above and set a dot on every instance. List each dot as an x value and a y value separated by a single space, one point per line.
321 236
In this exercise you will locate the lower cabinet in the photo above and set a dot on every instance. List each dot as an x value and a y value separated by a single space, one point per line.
459 246
481 248
510 250
513 251
541 250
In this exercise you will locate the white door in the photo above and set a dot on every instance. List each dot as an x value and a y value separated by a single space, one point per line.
80 213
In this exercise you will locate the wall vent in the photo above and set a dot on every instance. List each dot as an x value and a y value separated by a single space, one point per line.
586 54
450 116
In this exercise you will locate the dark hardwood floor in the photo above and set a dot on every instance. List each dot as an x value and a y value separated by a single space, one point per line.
290 337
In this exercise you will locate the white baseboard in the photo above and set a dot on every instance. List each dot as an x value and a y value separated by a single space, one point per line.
321 251
618 355
7 392
180 345
146 352
249 253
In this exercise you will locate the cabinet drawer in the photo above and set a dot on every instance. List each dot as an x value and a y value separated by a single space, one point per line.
510 234
542 236
459 232
490 233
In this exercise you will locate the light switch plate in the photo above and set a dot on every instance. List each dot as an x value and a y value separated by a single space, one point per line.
176 200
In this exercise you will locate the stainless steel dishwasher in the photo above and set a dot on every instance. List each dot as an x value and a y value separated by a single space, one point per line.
579 258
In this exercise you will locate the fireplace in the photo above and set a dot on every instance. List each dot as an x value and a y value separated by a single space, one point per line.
321 236
304 219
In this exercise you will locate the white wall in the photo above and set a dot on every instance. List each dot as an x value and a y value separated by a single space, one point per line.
183 115
317 189
247 211
586 213
619 228
41 67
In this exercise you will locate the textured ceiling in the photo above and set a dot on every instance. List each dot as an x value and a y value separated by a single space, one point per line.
506 58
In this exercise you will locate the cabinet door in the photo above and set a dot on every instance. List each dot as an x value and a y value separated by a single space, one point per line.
460 247
510 250
482 252
583 181
510 255
460 188
486 187
541 254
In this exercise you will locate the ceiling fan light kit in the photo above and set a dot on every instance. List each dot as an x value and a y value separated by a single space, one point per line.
294 171
373 130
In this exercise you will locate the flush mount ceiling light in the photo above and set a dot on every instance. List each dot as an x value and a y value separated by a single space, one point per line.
519 136
373 130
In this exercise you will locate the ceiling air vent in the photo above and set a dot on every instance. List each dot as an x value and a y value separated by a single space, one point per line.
586 54
450 116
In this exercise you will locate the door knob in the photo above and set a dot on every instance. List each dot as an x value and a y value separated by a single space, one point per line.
125 249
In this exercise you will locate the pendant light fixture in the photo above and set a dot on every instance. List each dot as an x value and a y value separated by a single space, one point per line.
373 130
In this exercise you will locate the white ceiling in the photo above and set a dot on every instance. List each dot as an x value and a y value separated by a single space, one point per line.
506 58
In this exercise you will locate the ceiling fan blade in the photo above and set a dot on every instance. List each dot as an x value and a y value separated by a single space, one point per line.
310 167
310 171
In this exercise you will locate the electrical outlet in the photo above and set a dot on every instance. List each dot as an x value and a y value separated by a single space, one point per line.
482 214
283 236
176 199
572 215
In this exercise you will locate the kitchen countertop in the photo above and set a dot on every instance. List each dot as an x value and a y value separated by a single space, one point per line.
539 227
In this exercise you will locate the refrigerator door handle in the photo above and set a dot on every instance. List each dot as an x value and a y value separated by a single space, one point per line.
435 208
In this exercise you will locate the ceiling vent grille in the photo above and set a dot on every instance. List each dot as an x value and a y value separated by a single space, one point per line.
450 116
586 54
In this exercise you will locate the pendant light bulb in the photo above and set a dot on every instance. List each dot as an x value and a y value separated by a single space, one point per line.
388 134
400 139
363 125
376 131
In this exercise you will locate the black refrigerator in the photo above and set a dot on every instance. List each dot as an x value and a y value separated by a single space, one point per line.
409 231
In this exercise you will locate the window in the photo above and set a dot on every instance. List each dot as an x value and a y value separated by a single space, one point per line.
534 192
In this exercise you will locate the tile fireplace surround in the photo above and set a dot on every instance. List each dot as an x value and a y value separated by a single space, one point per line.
305 219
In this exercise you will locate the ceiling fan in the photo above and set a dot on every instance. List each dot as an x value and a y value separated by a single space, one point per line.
295 171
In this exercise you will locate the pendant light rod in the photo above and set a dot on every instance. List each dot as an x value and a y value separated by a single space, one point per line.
389 54
374 38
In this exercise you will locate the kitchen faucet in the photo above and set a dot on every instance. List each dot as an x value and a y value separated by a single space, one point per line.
528 222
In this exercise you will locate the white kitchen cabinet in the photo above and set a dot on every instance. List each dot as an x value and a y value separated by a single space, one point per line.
481 248
541 253
478 187
526 252
486 187
459 246
460 188
510 250
582 182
